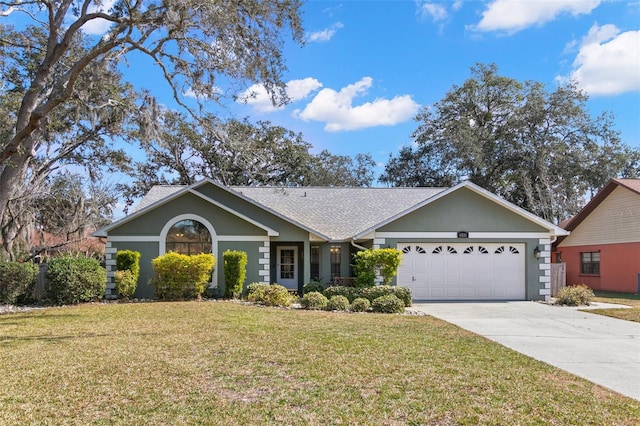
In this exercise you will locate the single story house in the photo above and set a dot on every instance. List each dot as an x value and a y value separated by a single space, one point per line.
459 243
603 250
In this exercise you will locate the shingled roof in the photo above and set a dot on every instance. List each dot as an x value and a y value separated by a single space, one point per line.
337 212
334 212
331 213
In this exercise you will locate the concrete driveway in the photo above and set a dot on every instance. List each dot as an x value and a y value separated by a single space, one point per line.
602 350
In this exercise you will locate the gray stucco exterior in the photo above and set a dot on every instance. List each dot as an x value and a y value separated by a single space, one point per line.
313 223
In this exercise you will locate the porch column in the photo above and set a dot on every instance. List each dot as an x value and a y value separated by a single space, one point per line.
306 262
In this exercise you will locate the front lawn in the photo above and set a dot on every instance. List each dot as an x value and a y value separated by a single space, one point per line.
629 314
226 363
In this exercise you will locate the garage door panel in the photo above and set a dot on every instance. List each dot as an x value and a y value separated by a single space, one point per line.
463 271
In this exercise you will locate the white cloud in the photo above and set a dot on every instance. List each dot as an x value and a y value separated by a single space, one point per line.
258 98
515 15
337 110
608 62
98 26
436 11
326 34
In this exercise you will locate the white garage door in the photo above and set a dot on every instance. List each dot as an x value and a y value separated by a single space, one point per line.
463 271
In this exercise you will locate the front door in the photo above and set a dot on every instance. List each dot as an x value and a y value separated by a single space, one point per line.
287 267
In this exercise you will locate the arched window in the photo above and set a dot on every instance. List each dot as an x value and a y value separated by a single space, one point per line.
188 236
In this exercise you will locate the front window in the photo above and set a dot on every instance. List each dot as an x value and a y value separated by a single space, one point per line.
315 263
590 263
189 237
335 261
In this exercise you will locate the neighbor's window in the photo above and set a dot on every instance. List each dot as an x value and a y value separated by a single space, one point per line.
335 261
315 262
188 237
590 263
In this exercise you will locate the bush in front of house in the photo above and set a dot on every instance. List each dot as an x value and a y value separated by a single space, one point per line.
360 305
180 277
402 293
350 293
75 280
312 286
368 263
314 300
255 288
388 304
338 303
16 281
129 260
235 272
126 283
270 295
575 295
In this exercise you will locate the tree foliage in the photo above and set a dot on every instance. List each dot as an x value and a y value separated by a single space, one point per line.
240 153
540 150
63 98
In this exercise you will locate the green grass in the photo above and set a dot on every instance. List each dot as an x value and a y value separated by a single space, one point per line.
629 314
227 364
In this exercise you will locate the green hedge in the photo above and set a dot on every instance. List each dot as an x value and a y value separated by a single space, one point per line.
388 304
314 300
126 283
367 263
129 260
75 280
270 295
402 293
370 293
180 277
351 293
16 281
235 272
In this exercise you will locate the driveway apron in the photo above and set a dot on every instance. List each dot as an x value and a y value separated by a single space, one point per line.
602 350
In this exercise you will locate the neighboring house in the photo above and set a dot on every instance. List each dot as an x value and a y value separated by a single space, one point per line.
459 243
603 250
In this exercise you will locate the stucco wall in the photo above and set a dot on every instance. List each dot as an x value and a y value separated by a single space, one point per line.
462 210
619 266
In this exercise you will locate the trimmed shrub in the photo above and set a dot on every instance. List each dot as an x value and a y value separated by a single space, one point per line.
314 300
235 272
350 293
271 295
312 286
126 283
367 263
388 304
575 295
402 293
129 260
75 280
360 305
16 280
255 288
178 276
338 303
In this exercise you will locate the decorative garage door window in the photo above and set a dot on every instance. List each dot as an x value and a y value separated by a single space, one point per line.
443 249
188 237
413 249
505 249
475 249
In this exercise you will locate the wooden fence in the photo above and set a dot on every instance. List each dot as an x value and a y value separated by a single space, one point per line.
558 277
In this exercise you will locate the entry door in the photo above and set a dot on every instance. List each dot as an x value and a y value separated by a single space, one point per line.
287 267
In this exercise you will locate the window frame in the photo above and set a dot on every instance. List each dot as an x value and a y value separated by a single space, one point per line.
589 265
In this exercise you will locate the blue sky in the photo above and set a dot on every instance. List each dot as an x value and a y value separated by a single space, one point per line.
369 66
